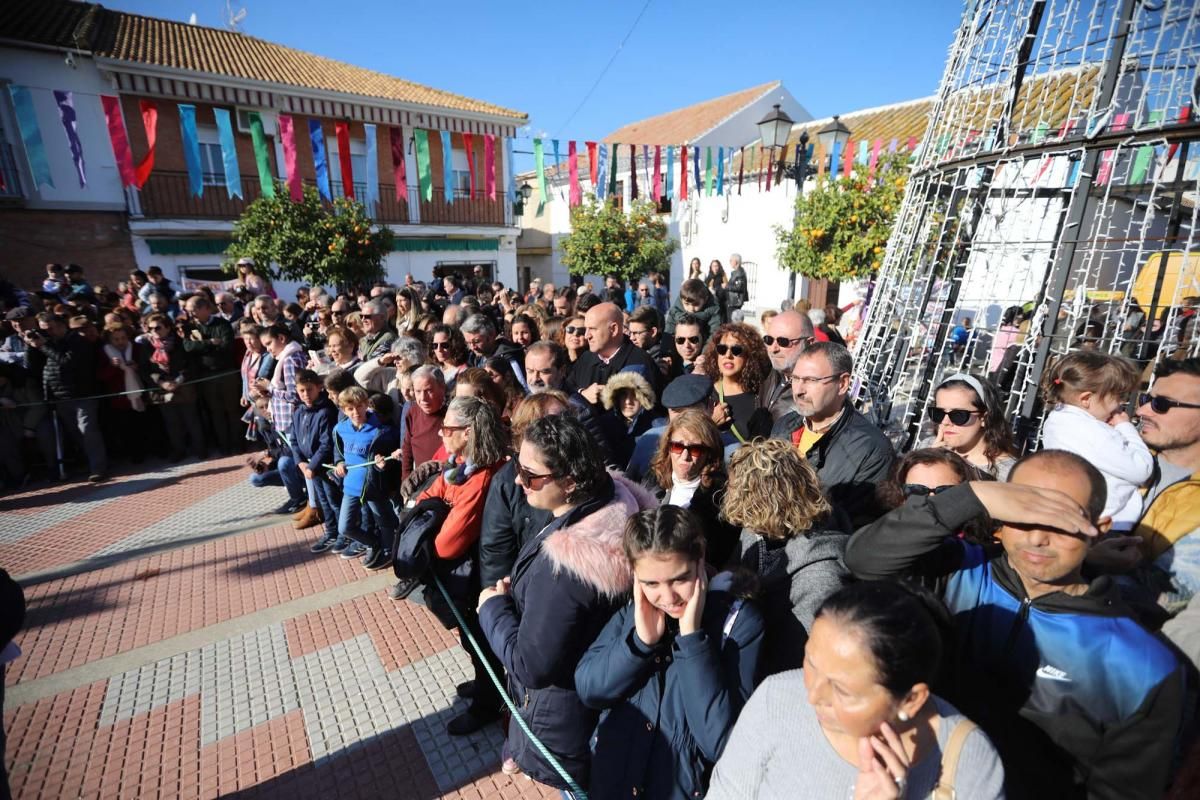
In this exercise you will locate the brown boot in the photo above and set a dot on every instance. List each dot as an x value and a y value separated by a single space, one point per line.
309 517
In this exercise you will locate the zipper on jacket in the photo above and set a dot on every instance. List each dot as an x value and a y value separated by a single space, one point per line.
1018 623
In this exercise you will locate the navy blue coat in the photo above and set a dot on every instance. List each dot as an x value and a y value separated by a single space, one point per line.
668 708
312 433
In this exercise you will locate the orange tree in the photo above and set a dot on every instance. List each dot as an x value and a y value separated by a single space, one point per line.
606 240
323 244
841 227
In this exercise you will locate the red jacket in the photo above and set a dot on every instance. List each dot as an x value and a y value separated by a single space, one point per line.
465 520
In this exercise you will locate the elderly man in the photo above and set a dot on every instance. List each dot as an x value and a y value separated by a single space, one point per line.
1079 699
265 310
786 337
737 290
851 456
228 308
377 337
609 352
423 419
546 365
484 342
209 339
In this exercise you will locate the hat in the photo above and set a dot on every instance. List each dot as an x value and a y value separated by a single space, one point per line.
245 262
687 390
18 313
581 291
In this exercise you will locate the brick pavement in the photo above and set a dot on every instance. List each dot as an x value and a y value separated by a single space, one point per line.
182 642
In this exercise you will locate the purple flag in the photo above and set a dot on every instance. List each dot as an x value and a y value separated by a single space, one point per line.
66 110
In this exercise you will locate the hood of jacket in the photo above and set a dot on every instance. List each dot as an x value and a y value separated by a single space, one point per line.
628 380
590 547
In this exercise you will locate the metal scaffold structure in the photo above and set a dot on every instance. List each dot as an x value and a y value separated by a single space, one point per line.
1057 188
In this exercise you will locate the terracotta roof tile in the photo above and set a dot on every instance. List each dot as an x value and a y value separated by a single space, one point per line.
165 43
685 124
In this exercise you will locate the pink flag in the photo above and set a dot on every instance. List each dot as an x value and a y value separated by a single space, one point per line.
573 167
656 182
1120 123
119 139
593 166
851 151
469 146
396 137
876 149
912 144
287 137
489 165
1185 114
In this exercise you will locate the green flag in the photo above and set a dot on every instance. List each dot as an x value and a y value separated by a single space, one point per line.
539 159
708 171
424 178
265 178
612 173
1145 154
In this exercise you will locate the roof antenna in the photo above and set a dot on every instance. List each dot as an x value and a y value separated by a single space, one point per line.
233 19
193 20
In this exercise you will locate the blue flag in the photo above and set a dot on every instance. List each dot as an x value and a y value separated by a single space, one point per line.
31 136
320 160
191 148
372 169
448 166
233 178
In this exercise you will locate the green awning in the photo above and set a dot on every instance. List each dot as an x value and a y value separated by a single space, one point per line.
438 245
190 247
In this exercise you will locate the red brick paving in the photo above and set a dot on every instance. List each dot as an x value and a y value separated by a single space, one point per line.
116 519
402 632
98 614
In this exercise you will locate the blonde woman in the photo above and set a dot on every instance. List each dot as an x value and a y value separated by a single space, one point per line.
775 497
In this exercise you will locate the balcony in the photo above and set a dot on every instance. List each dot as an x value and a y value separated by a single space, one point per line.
166 194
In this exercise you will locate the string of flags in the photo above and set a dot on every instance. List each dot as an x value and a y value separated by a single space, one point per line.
703 170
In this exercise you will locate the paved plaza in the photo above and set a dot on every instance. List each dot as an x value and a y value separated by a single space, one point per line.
181 642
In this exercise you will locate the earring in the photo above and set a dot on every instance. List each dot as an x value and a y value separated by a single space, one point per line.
904 716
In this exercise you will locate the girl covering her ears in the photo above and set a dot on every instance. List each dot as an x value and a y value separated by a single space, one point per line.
672 669
1085 390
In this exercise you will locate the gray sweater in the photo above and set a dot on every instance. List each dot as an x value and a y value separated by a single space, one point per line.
794 576
777 750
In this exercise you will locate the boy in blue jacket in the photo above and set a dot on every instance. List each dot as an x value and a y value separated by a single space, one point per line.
359 438
312 448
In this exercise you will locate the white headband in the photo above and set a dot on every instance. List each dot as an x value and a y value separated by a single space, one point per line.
969 380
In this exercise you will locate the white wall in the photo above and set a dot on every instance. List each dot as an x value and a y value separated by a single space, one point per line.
43 72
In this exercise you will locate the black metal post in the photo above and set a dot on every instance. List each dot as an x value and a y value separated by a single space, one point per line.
799 172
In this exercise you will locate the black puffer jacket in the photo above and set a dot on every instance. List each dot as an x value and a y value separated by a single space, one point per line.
67 365
508 523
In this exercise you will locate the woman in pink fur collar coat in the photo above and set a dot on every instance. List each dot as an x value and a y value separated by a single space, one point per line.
566 583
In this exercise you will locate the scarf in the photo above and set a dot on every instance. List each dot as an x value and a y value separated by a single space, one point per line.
133 384
162 352
277 382
457 472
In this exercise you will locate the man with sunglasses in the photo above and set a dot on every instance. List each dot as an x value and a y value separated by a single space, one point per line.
786 337
688 343
849 453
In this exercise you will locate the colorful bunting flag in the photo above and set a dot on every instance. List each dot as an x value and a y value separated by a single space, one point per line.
864 152
448 166
316 135
768 165
259 139
469 146
670 191
633 187
557 162
424 168
696 170
848 169
741 168
372 137
708 171
229 162
876 149
894 145
399 169
342 134
31 136
66 112
612 174
593 169
489 165
835 153
576 196
656 183
1145 153
1185 115
150 123
683 172
601 171
539 162
510 175
191 149
720 171
287 138
118 138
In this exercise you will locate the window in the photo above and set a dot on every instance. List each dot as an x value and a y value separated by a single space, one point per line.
212 165
358 166
462 183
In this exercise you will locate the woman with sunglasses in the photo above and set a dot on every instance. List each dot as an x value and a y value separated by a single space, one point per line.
574 337
166 365
737 363
476 445
930 471
567 581
448 352
688 470
969 416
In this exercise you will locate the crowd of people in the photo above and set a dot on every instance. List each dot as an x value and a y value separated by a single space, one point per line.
697 568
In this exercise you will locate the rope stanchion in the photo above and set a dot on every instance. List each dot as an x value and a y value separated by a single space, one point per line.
130 391
572 786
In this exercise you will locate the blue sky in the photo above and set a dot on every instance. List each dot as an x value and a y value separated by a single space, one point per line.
542 58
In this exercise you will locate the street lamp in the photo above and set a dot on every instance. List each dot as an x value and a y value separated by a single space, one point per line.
775 128
833 134
525 192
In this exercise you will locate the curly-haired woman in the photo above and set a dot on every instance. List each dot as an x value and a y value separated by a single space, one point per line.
775 496
737 363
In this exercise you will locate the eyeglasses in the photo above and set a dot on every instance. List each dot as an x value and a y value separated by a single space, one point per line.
446 430
687 340
696 451
920 490
1161 405
440 345
811 381
785 342
573 331
958 416
734 350
528 477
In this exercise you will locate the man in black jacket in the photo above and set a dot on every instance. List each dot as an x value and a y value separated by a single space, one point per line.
1079 699
209 338
609 352
67 365
851 456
